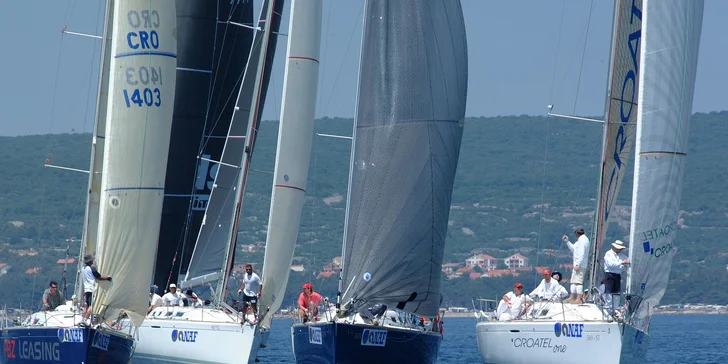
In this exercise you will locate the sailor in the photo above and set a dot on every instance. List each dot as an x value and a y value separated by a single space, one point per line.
192 299
90 275
251 289
557 276
513 304
155 300
580 251
172 298
549 289
614 262
51 297
308 302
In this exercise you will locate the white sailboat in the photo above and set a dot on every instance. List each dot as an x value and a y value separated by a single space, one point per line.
124 202
652 77
406 143
293 155
222 334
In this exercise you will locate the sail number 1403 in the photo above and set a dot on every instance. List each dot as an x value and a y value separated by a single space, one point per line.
141 97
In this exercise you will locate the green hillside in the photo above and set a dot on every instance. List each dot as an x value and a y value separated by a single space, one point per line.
522 182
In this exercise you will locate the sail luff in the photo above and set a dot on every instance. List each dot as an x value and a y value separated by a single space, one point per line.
139 119
91 215
295 134
621 116
669 57
410 112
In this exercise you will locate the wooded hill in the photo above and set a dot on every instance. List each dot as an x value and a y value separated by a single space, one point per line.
522 182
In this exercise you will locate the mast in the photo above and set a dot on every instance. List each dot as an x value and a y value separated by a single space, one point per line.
91 214
597 236
339 291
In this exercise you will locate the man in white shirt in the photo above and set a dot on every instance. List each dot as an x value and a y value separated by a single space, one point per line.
172 298
580 252
155 300
513 304
614 262
90 275
549 289
250 288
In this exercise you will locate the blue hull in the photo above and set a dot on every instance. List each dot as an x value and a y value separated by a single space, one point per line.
26 345
337 343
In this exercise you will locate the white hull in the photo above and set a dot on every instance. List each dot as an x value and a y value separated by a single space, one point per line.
195 335
571 333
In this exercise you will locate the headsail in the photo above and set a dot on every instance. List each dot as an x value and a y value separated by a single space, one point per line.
621 116
295 135
216 240
138 123
211 58
671 39
408 129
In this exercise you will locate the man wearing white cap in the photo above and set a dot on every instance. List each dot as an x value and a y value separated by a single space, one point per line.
614 262
580 251
172 298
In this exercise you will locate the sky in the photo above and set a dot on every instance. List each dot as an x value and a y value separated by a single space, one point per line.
523 55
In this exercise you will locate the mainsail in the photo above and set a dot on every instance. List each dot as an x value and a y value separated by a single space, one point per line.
670 43
295 135
215 243
621 116
138 123
408 128
211 57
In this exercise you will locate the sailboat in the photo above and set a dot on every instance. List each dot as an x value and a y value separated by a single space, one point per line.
408 128
223 334
652 77
124 202
292 157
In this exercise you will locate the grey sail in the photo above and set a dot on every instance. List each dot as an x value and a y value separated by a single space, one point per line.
211 56
408 128
213 250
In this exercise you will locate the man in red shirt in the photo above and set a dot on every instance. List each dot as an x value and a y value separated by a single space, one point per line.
308 303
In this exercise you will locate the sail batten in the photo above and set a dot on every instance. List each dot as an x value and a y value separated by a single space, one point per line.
408 128
671 41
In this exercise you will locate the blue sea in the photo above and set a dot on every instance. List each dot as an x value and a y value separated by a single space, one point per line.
699 339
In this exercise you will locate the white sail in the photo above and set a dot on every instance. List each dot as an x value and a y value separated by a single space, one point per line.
138 124
621 115
295 135
670 43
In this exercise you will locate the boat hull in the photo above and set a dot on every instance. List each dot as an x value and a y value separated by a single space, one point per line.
548 342
177 341
329 343
26 345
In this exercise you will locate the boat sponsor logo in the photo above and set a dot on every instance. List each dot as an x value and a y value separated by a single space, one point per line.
659 232
101 341
314 335
32 350
568 330
657 252
626 105
184 336
538 342
204 180
373 337
70 335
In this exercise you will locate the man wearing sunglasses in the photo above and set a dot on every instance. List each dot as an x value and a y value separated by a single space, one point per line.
51 297
250 288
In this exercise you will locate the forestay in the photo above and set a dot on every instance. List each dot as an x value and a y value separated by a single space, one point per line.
670 43
138 123
408 128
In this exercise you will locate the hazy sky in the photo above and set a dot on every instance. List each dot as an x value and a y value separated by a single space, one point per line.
49 81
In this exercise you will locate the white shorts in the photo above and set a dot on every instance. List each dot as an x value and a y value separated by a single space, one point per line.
577 277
